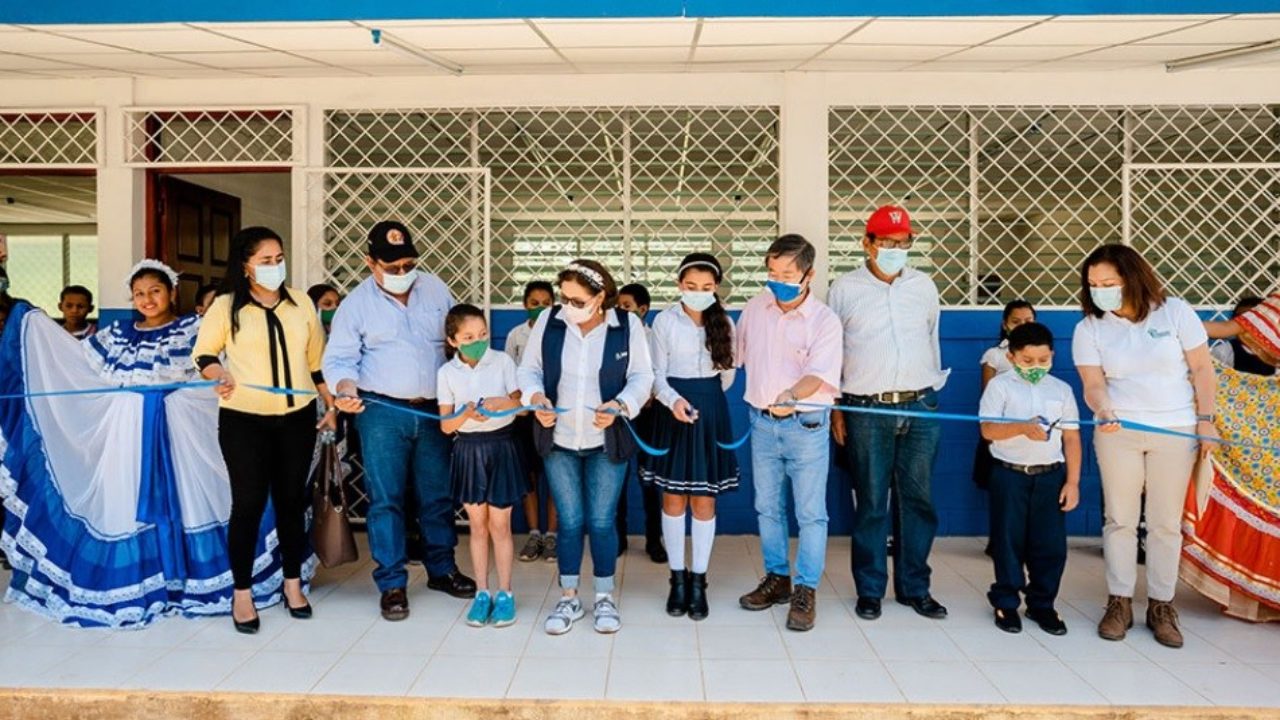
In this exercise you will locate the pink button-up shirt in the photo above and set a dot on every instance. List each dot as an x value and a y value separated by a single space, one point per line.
777 348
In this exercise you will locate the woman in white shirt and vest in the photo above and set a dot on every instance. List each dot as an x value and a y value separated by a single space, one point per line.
1143 357
588 364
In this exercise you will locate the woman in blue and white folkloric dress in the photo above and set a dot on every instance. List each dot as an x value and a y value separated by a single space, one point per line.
693 365
118 503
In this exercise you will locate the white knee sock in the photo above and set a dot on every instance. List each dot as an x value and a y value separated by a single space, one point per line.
704 536
673 537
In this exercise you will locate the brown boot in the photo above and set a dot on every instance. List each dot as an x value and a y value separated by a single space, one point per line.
1162 618
772 590
803 609
1117 620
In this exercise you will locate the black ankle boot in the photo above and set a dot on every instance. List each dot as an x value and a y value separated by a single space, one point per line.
678 599
698 596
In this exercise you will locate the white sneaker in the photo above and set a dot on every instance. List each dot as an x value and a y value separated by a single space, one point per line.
568 611
607 620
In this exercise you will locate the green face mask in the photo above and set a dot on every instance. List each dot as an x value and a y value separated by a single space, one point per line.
326 316
1032 374
534 312
473 351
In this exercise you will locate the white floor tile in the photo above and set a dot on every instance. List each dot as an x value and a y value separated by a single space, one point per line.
465 677
581 641
829 640
943 682
751 681
191 670
862 681
165 633
561 678
490 642
675 642
24 665
357 674
993 644
1040 682
635 678
1137 683
1229 684
926 644
310 636
280 672
412 636
102 669
731 643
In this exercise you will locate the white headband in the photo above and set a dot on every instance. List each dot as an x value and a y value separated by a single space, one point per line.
149 264
592 276
699 263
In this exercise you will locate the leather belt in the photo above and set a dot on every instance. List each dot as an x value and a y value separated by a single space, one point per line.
1030 469
893 397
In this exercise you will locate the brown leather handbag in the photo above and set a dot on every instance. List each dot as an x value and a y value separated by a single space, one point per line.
330 529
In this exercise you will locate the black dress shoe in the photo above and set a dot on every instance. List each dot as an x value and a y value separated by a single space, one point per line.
1008 620
868 608
298 613
1048 620
656 552
394 604
698 596
455 584
678 598
925 606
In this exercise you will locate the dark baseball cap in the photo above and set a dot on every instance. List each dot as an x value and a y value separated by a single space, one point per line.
389 241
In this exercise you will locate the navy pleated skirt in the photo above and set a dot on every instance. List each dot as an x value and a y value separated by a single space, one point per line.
696 465
487 468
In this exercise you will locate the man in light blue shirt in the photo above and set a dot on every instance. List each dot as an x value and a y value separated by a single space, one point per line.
386 344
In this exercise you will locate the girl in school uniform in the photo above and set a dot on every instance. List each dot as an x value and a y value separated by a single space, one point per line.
693 365
994 362
486 469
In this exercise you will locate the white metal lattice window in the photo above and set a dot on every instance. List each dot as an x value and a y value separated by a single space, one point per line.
158 137
52 139
635 187
447 210
1211 231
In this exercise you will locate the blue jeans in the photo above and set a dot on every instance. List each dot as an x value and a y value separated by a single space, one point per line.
400 448
793 450
897 452
586 487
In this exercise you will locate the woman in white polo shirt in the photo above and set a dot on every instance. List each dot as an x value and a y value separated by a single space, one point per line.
1143 357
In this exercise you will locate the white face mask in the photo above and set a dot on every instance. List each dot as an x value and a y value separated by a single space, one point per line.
1108 299
579 315
270 277
698 301
891 261
399 284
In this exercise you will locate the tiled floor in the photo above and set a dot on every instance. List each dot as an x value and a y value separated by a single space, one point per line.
733 655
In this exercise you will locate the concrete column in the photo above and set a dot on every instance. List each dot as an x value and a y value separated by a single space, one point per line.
122 210
803 165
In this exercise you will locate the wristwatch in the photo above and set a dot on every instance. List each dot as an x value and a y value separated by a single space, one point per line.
626 411
1206 418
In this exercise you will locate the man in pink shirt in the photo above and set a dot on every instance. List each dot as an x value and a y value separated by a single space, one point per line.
790 345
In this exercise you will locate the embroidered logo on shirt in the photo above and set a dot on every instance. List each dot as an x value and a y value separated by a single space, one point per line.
395 237
619 356
1157 334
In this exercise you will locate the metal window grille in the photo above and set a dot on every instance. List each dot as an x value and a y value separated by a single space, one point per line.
636 187
446 208
53 139
158 137
1008 200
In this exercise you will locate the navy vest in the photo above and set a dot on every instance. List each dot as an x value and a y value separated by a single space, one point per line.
1245 361
618 443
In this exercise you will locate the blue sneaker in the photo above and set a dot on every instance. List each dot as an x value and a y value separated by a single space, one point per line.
504 609
481 607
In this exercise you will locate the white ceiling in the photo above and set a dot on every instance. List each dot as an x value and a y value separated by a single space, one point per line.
45 199
1001 44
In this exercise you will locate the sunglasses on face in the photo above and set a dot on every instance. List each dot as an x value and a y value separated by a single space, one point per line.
400 269
575 302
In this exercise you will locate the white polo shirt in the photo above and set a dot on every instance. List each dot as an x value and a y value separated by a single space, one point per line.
494 376
517 339
997 358
1145 363
1008 395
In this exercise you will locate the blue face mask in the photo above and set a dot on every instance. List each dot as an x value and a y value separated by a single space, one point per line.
784 292
891 261
1107 299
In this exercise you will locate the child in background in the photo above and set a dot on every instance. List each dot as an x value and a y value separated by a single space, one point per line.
326 299
76 304
538 296
205 297
486 469
1035 480
995 359
634 298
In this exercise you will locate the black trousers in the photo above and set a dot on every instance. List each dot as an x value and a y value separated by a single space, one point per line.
1028 529
267 456
649 493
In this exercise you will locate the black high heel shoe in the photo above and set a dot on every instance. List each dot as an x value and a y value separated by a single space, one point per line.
248 627
298 613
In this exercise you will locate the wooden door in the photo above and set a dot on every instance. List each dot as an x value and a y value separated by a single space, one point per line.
196 225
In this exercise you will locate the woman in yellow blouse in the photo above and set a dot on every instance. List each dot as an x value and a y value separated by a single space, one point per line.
259 332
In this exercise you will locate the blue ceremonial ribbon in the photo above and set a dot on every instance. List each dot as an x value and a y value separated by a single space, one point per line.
645 447
167 387
370 400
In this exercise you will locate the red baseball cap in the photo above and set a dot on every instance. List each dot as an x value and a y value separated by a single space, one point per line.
888 220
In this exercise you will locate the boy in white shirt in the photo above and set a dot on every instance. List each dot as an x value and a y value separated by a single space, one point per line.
1035 480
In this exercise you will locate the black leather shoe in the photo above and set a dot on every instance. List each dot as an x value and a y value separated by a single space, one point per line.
698 596
1008 620
394 604
656 552
868 608
925 606
1048 620
455 584
678 598
298 613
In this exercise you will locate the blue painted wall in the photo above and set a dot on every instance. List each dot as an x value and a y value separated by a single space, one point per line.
148 11
962 507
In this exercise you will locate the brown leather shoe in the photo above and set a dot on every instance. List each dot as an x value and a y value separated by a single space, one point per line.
395 605
1118 618
803 609
1162 618
772 590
